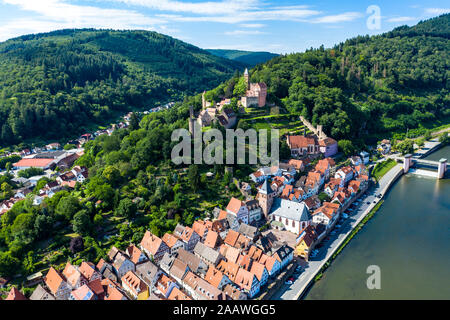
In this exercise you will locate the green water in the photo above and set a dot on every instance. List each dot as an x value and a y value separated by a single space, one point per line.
408 238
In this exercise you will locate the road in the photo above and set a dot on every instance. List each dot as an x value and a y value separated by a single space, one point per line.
294 291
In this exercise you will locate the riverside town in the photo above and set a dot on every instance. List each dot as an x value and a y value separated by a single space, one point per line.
135 166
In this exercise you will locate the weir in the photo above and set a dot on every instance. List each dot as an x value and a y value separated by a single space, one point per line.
409 161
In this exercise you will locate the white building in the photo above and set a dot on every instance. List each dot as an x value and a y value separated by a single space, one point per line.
294 216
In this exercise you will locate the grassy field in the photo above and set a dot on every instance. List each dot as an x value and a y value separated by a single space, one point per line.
382 167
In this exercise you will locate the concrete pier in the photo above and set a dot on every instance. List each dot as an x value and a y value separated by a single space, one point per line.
442 168
407 162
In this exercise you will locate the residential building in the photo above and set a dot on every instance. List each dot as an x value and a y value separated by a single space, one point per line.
190 238
121 265
174 243
153 246
239 209
135 286
247 282
207 254
57 284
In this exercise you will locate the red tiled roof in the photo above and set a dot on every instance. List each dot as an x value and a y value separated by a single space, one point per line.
37 163
15 294
297 142
53 280
234 205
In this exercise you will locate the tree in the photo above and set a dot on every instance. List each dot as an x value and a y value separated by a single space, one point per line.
346 147
69 146
194 177
127 208
67 207
43 226
76 245
134 122
406 146
81 223
9 265
285 152
444 138
420 142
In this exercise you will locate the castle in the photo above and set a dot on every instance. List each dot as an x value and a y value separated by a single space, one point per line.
256 93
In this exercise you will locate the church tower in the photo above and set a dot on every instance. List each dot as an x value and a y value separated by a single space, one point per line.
265 198
247 79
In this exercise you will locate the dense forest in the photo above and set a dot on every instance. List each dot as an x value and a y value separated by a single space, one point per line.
368 87
248 58
56 84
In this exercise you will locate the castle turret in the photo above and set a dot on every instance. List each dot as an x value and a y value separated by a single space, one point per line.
247 79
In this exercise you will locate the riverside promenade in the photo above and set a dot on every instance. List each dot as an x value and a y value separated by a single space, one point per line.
298 288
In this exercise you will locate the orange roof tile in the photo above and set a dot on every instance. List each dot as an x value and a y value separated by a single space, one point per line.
15 294
234 205
212 239
231 237
177 294
37 163
151 242
53 280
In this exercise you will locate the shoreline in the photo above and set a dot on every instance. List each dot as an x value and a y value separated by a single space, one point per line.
310 280
357 226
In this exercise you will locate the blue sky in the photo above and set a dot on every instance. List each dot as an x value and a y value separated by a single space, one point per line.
280 26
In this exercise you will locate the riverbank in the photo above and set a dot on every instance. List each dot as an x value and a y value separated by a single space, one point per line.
305 280
415 208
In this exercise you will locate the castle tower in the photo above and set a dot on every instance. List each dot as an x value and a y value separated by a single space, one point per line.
265 198
203 100
247 79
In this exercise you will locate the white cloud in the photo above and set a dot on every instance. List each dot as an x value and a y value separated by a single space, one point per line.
55 14
437 11
401 19
343 17
205 7
252 25
243 32
247 16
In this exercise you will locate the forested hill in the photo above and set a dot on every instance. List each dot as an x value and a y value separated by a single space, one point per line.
368 87
248 58
54 85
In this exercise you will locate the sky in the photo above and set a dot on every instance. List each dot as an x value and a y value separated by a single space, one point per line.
279 26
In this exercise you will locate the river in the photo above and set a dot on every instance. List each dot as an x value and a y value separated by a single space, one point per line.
408 238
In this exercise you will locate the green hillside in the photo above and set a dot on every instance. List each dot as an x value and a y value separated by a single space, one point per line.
247 58
56 84
368 87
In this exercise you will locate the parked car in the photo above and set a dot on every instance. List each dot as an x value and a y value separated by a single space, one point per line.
289 282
